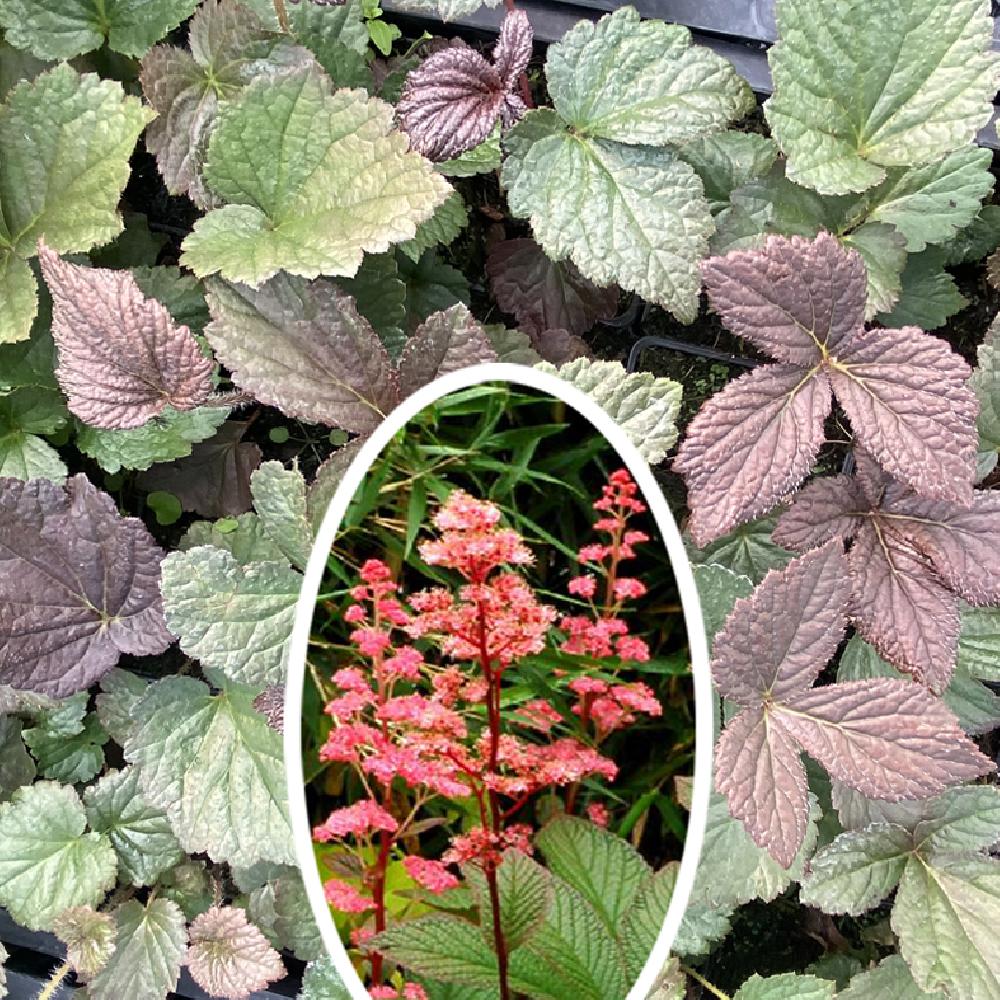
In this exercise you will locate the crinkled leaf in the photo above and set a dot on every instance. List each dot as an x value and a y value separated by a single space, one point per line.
986 383
79 586
543 294
47 862
140 834
350 185
167 437
445 947
641 82
747 550
337 35
190 887
718 590
448 220
933 90
72 136
512 346
303 347
279 497
447 10
214 479
929 296
69 758
149 947
327 479
977 240
644 406
16 765
604 868
960 820
945 914
215 767
61 29
321 981
243 537
228 956
786 986
445 342
89 937
979 642
635 215
24 415
380 295
726 161
483 159
237 619
857 871
271 704
883 250
121 357
889 980
452 101
229 47
431 286
526 894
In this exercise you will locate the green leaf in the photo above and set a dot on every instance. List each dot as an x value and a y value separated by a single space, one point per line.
857 871
960 820
234 618
383 35
181 294
214 766
635 215
986 383
121 691
89 937
525 890
787 986
247 542
138 245
644 406
442 946
481 159
72 135
17 65
279 497
447 10
47 862
149 946
166 437
16 765
930 203
336 35
165 506
858 89
24 415
641 82
141 835
61 29
719 589
884 254
349 183
605 869
889 980
293 923
321 981
190 887
726 161
746 551
448 220
431 286
928 296
979 239
69 758
380 296
945 916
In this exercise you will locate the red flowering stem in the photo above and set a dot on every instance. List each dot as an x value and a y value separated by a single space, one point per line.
378 897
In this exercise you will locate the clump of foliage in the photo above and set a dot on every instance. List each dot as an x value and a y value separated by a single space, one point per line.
223 260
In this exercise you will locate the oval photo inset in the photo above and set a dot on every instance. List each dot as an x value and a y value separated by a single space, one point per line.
498 711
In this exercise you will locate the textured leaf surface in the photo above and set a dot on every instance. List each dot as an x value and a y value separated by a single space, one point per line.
66 139
718 590
228 956
786 986
727 160
141 835
431 286
243 537
747 550
442 946
933 91
889 980
78 587
606 870
447 10
644 406
960 820
279 497
641 82
986 383
543 294
351 185
215 767
303 347
89 937
635 215
381 297
214 479
228 48
48 863
237 619
944 916
928 296
452 101
526 894
24 415
121 357
149 946
64 755
61 29
448 220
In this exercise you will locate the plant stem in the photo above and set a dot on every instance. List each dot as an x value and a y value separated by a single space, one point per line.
279 9
56 980
498 938
704 983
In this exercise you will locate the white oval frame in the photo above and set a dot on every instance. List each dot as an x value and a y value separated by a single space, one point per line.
554 386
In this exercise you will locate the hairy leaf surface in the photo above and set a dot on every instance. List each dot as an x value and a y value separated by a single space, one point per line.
89 937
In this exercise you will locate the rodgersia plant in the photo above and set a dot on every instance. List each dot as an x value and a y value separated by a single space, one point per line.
419 722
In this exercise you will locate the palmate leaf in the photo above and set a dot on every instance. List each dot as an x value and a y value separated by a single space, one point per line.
910 561
933 91
48 863
61 29
905 393
322 213
122 359
149 946
747 550
67 139
543 294
889 739
237 619
452 101
215 767
79 586
644 406
229 47
228 956
89 937
526 895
